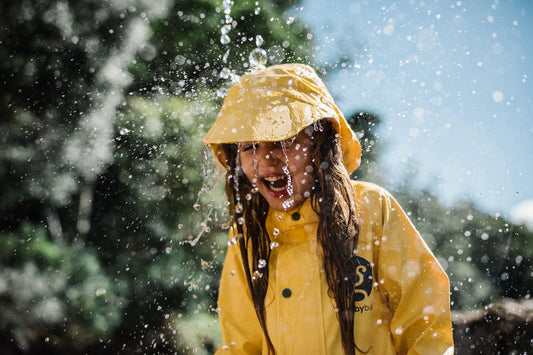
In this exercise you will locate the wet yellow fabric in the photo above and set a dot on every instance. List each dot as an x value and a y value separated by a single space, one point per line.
404 310
275 104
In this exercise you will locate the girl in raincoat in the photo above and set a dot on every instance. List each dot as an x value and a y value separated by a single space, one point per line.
316 263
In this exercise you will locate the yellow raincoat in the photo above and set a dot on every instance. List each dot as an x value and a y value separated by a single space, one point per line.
403 293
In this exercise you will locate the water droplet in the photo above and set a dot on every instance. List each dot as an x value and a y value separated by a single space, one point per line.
224 39
124 131
261 264
225 29
240 220
168 250
180 226
225 57
248 197
257 10
221 93
225 73
290 20
196 206
227 4
287 204
274 245
258 57
225 226
259 40
275 232
497 96
238 208
255 190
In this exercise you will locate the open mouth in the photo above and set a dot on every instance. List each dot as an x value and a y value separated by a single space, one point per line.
278 183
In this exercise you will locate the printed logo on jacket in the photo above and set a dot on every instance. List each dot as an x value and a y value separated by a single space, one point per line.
363 282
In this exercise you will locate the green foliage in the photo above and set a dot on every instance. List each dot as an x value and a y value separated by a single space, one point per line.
365 126
101 249
186 50
485 256
49 285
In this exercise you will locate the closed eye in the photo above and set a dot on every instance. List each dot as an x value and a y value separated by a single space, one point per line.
248 146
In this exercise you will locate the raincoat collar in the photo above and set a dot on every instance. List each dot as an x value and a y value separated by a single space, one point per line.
280 222
275 104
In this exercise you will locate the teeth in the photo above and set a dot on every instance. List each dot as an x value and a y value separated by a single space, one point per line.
277 189
271 180
274 178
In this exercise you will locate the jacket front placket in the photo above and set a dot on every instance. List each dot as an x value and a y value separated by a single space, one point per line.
294 299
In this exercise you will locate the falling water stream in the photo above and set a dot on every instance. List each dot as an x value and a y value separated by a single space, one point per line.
257 59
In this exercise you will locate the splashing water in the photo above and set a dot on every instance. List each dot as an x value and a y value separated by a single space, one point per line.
205 229
317 126
225 73
287 204
258 40
227 4
225 56
255 189
224 39
225 29
258 56
286 171
203 189
238 204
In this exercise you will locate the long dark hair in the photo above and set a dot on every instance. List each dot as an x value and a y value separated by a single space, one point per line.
337 235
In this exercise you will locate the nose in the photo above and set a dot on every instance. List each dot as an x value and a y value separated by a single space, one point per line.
269 151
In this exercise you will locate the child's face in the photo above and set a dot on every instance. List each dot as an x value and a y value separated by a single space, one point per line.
282 171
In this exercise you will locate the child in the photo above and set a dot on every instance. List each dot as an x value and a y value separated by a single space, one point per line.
316 264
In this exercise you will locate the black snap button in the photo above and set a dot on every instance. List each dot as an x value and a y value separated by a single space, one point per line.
286 292
295 216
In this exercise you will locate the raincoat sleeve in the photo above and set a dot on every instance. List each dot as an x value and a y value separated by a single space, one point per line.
416 286
241 331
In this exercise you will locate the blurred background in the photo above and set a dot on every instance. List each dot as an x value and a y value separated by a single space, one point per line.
112 213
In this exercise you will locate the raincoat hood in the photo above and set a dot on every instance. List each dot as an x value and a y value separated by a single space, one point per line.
275 104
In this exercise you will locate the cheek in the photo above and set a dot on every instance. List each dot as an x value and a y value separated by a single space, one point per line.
247 165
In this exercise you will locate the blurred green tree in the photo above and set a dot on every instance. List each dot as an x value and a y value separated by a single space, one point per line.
365 125
101 165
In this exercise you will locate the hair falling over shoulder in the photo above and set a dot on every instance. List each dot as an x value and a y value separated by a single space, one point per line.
337 235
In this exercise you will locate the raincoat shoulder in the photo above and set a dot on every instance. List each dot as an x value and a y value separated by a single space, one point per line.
407 275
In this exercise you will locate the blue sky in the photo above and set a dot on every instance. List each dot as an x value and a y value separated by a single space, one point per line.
452 82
